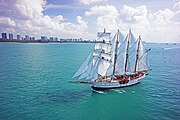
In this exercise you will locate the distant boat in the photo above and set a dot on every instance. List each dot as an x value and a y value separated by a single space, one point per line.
114 63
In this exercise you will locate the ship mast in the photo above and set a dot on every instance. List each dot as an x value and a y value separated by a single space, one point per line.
115 54
127 50
137 55
104 30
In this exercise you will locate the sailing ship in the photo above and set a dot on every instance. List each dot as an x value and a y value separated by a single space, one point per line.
114 63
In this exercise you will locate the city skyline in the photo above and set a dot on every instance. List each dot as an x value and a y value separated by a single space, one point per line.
155 21
9 37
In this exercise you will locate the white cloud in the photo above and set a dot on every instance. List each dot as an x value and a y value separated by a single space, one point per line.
7 21
163 26
55 6
134 15
177 12
102 10
30 9
134 18
32 21
158 26
177 6
161 17
106 16
87 2
108 22
81 23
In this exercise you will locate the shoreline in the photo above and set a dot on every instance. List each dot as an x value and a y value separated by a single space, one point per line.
38 41
59 42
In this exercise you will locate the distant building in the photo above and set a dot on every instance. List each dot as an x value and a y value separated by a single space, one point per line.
33 38
10 36
18 37
4 36
51 39
75 40
61 40
56 39
27 37
80 39
44 38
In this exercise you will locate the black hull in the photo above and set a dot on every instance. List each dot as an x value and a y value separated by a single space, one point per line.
110 88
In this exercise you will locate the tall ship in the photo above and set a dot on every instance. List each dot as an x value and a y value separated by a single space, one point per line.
114 63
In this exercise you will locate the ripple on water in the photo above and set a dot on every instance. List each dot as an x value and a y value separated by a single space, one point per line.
34 85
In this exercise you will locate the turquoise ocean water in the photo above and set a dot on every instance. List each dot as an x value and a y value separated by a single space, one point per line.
34 86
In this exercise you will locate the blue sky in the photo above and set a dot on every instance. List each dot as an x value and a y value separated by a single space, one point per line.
154 20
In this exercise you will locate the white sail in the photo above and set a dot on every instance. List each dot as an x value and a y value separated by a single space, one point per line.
113 44
83 67
103 66
143 61
121 57
98 62
86 72
94 73
84 75
132 57
101 46
114 40
106 47
121 38
105 53
106 56
118 37
110 70
123 54
96 55
131 39
97 46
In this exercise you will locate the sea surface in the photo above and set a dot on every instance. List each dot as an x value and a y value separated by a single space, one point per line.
34 86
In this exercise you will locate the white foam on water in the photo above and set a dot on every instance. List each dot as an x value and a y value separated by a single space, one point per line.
170 48
133 91
119 91
100 92
123 91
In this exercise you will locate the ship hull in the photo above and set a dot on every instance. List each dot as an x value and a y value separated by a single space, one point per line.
101 86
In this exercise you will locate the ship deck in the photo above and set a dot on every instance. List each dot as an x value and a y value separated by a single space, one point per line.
120 78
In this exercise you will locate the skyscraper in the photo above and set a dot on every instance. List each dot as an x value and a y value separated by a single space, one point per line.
44 38
4 36
33 38
18 37
51 38
27 37
10 36
56 39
